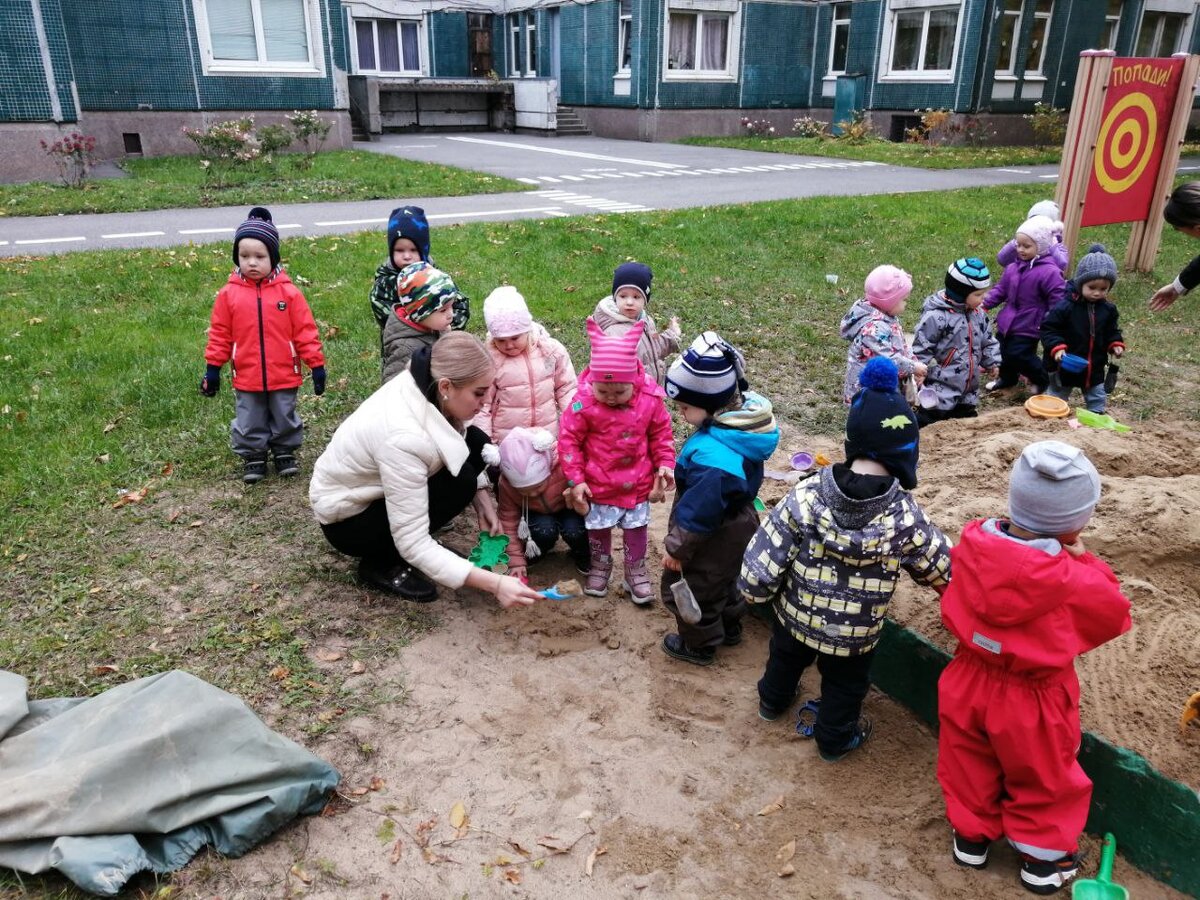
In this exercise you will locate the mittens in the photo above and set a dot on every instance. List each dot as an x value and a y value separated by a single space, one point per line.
318 379
211 382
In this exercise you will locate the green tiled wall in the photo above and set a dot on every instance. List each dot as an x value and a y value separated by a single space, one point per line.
448 43
24 93
777 55
145 55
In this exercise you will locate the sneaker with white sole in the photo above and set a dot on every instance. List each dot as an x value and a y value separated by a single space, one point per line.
1048 877
970 853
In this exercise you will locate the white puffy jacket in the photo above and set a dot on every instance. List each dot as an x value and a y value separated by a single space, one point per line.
390 447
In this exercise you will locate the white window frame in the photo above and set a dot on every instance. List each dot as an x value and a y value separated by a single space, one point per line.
729 9
1010 71
940 76
624 36
400 23
314 67
1112 26
514 45
834 25
1048 18
530 47
1185 8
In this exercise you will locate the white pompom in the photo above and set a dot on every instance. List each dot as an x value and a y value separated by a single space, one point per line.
542 440
491 454
532 550
523 530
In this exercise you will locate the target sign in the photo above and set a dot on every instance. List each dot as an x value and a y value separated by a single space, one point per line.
1129 147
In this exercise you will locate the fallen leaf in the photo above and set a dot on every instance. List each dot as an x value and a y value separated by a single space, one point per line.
786 870
458 815
280 672
773 807
95 590
517 846
301 874
105 670
109 427
787 851
359 667
378 784
21 557
103 458
197 524
550 842
586 815
168 468
394 856
132 497
591 860
36 321
501 860
175 515
358 792
422 836
328 655
512 876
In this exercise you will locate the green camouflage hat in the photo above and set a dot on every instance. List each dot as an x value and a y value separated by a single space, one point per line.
421 290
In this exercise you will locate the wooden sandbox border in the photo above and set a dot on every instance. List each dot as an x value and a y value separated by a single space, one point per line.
1156 820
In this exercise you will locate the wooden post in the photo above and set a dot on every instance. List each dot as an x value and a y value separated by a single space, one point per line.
1079 147
1146 236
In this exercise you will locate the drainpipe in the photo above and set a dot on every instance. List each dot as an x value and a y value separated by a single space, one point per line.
812 63
191 59
1062 49
39 26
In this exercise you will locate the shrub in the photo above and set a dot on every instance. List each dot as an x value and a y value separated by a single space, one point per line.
1049 124
936 127
224 147
857 128
310 130
808 127
976 132
72 156
273 138
759 128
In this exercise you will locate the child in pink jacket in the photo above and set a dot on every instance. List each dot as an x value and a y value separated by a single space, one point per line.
535 379
617 451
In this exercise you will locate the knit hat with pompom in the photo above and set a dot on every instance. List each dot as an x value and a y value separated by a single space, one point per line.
881 425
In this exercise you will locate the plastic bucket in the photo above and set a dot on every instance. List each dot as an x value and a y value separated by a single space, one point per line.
802 461
927 398
1072 363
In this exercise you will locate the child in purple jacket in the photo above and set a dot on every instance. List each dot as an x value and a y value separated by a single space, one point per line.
1058 250
1029 288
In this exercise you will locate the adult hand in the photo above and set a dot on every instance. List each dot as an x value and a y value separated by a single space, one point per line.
211 382
670 562
510 592
1163 297
318 379
485 510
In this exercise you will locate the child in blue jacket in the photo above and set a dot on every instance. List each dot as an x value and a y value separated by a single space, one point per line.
717 476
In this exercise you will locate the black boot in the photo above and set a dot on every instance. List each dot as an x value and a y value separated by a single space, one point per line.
402 580
254 469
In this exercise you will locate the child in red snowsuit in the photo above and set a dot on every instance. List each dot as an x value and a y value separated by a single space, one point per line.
1024 600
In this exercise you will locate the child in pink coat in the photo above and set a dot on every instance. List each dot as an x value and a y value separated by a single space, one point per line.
617 451
535 379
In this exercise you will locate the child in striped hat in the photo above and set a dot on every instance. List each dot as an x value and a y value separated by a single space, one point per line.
954 339
717 476
617 451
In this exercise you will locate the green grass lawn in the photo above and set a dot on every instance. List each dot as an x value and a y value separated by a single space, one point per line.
918 155
101 355
178 181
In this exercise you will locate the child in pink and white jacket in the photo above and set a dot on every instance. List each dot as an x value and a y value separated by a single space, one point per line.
872 326
535 379
617 451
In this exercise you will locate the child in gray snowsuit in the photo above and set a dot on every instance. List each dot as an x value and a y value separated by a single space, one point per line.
955 340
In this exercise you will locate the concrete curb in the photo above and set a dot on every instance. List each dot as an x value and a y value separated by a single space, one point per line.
1156 820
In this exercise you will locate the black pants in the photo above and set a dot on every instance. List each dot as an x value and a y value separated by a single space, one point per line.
844 684
547 528
1019 356
958 411
368 534
711 573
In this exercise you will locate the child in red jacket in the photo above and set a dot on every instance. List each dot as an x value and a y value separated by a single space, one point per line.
262 326
1025 599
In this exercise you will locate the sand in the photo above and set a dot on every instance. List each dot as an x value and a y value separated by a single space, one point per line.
565 725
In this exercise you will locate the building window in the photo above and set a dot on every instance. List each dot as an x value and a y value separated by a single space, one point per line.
1112 23
921 40
701 40
1010 34
839 38
514 45
625 36
531 44
388 45
1164 29
259 36
1037 38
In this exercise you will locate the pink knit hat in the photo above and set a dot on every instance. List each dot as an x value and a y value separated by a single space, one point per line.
614 359
886 287
525 456
505 313
1040 230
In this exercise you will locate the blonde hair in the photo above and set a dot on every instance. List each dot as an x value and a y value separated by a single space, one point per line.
460 358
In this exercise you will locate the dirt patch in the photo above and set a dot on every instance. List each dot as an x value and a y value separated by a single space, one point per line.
565 726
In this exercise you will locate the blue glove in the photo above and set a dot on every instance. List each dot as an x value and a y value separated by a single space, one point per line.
211 382
318 377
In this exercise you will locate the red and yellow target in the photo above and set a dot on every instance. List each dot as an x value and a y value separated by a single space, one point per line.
1129 146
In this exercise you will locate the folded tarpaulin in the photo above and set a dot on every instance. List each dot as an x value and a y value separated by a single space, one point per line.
142 777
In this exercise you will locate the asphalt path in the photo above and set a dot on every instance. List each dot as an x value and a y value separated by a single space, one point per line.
567 176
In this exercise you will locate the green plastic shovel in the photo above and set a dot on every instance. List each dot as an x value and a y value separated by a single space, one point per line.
1101 887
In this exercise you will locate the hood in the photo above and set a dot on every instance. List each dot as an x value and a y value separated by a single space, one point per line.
939 302
1023 581
753 445
536 333
279 276
607 309
858 316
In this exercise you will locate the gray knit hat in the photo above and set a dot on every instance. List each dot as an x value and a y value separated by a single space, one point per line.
1053 489
1096 263
707 373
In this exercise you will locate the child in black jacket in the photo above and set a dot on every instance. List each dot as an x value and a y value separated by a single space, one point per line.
1085 326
